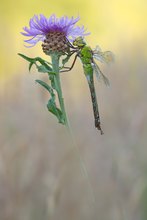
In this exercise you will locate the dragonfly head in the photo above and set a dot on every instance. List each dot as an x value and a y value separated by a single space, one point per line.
79 42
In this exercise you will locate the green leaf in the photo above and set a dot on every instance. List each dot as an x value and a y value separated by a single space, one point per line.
56 111
30 66
51 103
46 86
53 82
26 58
44 63
44 67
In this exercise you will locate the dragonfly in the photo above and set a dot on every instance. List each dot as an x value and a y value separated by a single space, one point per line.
88 57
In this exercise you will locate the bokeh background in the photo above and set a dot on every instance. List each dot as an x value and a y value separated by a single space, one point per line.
41 173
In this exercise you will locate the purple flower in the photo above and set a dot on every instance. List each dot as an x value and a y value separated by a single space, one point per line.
40 27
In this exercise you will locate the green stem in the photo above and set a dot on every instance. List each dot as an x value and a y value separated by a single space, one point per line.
55 65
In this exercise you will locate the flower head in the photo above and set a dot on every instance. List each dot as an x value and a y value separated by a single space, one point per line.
42 29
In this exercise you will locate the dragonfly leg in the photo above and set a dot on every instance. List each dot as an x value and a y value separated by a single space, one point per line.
67 69
70 45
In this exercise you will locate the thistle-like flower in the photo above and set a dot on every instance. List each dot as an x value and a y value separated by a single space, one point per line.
53 32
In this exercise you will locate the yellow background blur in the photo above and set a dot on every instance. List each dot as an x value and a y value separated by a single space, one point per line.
117 25
40 173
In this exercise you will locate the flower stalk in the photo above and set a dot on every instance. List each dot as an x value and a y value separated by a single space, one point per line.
55 67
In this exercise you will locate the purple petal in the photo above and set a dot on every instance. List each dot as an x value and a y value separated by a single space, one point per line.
39 26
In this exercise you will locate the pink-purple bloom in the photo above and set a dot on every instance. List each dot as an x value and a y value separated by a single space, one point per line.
40 26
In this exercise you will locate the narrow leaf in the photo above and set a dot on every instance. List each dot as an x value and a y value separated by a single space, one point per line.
30 66
53 83
44 63
56 111
46 86
44 67
26 58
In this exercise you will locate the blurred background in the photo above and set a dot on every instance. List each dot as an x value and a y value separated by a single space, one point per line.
41 172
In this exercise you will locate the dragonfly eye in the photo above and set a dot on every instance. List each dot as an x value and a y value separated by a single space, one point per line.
79 42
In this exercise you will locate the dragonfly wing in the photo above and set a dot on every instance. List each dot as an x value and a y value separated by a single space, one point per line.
104 57
100 75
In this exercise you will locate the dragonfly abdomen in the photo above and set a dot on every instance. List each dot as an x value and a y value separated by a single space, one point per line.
94 104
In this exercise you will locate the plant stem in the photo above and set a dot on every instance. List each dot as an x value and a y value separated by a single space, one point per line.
55 65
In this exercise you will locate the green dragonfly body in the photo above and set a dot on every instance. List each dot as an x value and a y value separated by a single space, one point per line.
87 56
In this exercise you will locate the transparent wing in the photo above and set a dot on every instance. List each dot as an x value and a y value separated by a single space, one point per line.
99 74
104 57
